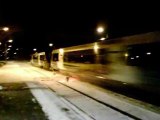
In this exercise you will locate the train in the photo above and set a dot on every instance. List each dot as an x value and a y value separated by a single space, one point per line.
39 59
132 59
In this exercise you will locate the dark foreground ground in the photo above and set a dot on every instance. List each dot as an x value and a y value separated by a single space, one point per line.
17 103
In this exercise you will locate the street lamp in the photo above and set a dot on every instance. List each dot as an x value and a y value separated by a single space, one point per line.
100 29
34 49
5 29
10 41
7 49
50 44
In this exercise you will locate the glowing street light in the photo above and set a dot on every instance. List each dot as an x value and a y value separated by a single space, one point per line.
100 29
34 49
10 41
50 44
10 46
0 43
5 29
148 53
15 53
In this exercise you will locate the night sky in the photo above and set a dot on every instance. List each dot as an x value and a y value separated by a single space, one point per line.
66 24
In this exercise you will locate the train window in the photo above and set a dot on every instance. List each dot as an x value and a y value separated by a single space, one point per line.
103 56
84 56
55 57
144 55
42 57
35 57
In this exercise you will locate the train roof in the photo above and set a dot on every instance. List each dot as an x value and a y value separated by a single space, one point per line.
127 40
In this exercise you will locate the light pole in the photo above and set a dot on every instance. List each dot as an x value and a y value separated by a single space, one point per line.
49 56
7 49
101 30
5 29
50 44
34 49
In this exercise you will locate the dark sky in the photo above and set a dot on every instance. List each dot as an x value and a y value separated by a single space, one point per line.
66 24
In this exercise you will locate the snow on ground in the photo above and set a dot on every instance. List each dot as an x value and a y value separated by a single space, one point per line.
102 95
73 105
53 106
86 105
91 107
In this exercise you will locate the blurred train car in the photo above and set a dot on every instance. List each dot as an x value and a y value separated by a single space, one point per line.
133 59
39 59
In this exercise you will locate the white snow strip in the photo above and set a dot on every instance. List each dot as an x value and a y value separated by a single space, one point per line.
98 94
52 106
76 109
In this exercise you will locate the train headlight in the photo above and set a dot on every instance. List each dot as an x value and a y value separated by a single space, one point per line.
61 51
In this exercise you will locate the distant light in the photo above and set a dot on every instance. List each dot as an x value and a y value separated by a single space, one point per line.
10 41
100 29
0 43
81 55
126 54
61 51
10 46
8 49
17 49
5 29
100 77
15 53
34 49
103 38
50 44
132 58
148 53
137 56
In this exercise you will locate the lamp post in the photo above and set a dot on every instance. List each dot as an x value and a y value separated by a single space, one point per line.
50 44
100 29
102 32
49 54
5 29
34 49
7 49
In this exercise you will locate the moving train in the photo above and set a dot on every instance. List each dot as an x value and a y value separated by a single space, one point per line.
133 59
39 59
